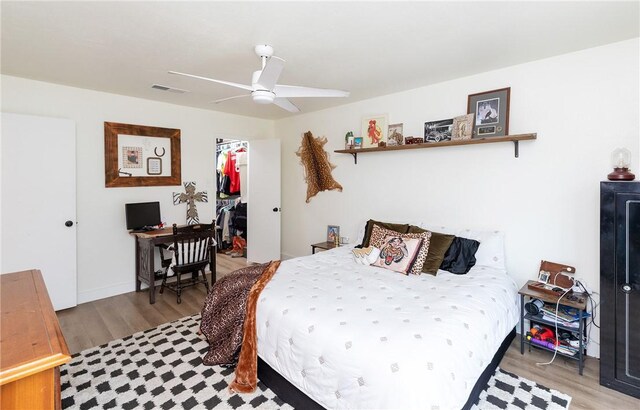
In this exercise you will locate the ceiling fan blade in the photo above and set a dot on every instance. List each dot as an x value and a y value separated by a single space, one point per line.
231 98
271 73
287 91
244 87
286 104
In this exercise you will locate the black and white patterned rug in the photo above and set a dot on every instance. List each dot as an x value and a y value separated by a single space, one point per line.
162 368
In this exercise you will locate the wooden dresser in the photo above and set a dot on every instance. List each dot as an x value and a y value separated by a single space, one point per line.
31 344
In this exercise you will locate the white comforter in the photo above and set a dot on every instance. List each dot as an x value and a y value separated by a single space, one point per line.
353 336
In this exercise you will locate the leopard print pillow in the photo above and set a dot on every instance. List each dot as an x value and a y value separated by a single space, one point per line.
377 238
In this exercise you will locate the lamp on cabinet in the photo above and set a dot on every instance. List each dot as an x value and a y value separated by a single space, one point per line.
620 160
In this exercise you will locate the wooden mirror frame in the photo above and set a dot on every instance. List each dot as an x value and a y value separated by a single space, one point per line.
112 174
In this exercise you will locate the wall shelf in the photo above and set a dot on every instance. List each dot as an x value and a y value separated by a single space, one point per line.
509 138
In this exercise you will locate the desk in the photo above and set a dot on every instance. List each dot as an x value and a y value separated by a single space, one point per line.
145 269
145 257
32 346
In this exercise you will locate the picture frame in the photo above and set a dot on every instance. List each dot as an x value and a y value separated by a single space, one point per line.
374 130
134 155
543 277
394 136
357 142
462 127
333 232
491 110
438 131
154 166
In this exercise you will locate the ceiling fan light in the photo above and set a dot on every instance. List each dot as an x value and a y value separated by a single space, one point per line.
263 97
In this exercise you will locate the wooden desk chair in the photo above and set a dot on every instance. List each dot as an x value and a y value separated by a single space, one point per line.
193 249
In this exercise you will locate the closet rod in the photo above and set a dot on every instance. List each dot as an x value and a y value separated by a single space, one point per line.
226 145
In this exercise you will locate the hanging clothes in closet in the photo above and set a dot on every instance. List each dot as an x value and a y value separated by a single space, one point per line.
231 223
228 170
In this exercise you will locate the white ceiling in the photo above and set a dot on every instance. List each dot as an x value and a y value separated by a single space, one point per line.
368 48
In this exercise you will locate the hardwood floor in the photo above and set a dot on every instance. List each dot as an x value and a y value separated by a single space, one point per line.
98 322
95 323
563 376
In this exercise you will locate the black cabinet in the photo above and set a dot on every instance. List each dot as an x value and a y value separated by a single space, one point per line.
620 286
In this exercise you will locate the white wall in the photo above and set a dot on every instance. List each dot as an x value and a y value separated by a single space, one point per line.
106 261
582 105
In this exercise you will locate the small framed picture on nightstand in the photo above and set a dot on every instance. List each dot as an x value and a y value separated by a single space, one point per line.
333 232
543 277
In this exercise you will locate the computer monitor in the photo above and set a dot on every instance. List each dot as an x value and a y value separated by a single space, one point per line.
142 214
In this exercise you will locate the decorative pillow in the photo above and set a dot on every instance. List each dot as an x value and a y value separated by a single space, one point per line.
438 246
398 253
491 251
460 256
378 234
400 228
366 256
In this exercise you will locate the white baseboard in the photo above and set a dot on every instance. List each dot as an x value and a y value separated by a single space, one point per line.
285 256
101 293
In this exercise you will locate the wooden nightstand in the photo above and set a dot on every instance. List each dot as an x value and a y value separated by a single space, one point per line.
325 246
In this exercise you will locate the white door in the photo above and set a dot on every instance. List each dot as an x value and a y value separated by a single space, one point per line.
263 211
38 199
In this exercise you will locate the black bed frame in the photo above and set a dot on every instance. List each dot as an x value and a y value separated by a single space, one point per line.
290 394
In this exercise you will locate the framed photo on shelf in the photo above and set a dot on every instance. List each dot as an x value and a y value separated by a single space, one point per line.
395 136
491 109
438 131
333 232
462 127
374 130
357 142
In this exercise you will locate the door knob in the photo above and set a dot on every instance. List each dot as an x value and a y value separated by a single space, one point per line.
276 209
68 224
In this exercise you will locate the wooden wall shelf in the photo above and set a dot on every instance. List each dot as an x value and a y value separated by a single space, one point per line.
509 138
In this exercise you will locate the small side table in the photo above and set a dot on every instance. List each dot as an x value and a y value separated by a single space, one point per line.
578 301
325 246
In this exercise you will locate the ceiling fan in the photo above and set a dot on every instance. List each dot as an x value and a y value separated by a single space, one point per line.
263 88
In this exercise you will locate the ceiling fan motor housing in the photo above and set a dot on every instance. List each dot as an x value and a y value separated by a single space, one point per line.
263 96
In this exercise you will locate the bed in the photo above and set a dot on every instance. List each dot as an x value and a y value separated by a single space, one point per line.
341 335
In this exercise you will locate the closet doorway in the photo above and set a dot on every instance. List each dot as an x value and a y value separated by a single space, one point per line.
248 198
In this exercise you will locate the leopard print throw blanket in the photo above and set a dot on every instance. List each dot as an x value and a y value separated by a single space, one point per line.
317 168
229 323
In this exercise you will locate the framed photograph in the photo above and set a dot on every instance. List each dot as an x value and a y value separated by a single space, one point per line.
374 130
138 155
395 136
357 142
333 232
154 166
131 157
437 131
462 127
491 109
543 276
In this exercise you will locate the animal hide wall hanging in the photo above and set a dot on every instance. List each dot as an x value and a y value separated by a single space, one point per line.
317 168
